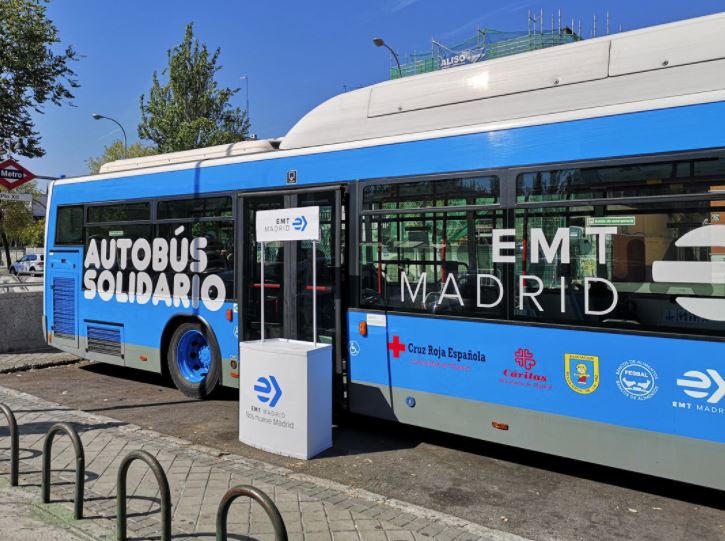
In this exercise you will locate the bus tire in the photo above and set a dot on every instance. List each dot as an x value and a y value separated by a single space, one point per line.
194 360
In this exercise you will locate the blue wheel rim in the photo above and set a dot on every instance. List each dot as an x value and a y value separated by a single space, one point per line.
193 356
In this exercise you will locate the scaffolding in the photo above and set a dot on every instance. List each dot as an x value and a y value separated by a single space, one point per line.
486 44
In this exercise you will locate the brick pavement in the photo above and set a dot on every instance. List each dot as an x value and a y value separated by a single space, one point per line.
24 518
313 509
18 362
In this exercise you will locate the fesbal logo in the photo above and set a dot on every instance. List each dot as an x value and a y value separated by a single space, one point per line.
637 380
697 272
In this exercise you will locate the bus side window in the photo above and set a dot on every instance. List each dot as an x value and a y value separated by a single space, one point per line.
69 225
420 251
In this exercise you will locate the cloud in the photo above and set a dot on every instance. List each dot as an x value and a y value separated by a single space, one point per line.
484 17
401 4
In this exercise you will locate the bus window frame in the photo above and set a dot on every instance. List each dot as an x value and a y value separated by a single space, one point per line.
88 206
82 243
152 221
508 204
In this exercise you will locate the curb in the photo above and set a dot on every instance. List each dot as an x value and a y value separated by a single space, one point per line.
38 366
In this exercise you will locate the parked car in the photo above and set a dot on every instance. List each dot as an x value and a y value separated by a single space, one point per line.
29 264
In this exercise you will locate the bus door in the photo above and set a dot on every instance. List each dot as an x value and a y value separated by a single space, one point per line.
288 273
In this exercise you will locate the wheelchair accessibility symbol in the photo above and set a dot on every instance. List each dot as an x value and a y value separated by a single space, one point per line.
354 348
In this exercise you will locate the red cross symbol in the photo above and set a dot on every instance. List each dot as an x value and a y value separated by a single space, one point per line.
396 347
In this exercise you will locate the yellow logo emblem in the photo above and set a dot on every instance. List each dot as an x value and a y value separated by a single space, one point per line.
582 372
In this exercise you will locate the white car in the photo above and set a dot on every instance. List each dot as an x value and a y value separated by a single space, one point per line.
29 264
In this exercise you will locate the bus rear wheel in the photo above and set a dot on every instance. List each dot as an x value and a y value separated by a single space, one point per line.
194 361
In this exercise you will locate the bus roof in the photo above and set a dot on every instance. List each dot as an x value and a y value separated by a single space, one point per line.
611 69
651 68
242 148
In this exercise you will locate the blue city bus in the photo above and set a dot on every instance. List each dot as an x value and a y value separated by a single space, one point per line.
526 250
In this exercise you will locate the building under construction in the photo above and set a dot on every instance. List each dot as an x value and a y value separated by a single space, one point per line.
484 45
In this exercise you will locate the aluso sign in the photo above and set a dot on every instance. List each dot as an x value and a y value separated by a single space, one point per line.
504 246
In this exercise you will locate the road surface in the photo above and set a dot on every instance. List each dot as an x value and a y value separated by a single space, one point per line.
525 493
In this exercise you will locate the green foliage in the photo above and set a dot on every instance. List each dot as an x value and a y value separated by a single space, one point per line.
190 110
31 74
14 215
115 151
33 234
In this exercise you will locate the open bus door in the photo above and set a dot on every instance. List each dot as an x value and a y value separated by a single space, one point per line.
288 274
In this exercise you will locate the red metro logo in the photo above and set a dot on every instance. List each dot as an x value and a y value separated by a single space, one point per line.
12 174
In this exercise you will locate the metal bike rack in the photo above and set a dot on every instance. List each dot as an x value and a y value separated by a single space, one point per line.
280 531
14 445
80 466
163 489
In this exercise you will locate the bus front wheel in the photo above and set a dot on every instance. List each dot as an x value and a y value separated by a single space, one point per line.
194 361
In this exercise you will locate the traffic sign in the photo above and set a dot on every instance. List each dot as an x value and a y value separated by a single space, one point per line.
19 197
12 174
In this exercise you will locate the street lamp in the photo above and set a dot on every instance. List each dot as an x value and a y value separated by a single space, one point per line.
245 78
380 43
96 116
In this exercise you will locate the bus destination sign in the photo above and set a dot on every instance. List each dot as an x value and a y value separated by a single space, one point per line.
12 174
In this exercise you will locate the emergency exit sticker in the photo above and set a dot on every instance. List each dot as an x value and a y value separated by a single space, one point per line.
611 220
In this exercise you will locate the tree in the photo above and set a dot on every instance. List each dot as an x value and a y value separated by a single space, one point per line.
31 74
115 151
33 234
15 217
190 110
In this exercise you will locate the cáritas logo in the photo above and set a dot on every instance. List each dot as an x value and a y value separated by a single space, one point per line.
526 377
697 272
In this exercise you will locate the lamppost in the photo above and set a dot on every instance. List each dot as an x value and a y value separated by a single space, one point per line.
245 78
96 116
380 43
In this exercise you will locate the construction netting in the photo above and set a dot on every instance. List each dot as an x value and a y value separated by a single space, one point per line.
484 45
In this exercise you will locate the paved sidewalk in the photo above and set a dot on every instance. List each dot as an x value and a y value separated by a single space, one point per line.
23 518
313 509
19 362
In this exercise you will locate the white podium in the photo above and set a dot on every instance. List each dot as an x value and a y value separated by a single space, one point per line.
285 399
285 386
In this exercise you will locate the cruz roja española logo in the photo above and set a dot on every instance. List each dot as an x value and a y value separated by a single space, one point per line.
637 380
582 372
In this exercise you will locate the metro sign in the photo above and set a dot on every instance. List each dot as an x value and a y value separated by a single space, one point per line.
12 174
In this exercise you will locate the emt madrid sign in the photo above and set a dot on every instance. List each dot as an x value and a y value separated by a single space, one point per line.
302 223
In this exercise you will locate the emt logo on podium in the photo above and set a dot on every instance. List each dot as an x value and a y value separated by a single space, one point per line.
582 372
268 390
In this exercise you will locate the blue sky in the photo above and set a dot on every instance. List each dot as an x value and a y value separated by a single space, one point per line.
296 54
